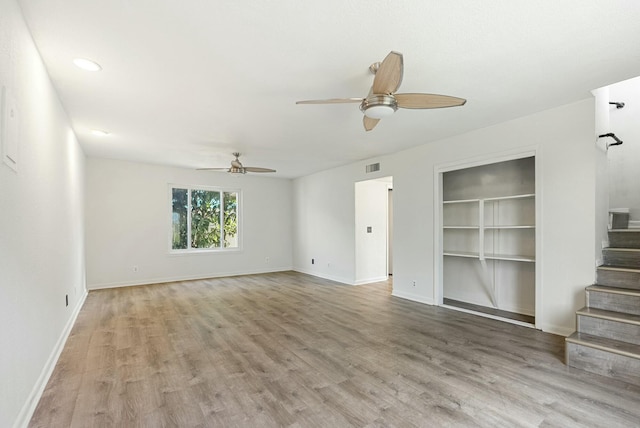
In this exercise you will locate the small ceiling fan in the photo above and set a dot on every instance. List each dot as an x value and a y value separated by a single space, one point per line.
383 100
238 168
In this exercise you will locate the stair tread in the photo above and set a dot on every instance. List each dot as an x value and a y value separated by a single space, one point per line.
630 230
610 315
618 268
637 250
605 344
614 290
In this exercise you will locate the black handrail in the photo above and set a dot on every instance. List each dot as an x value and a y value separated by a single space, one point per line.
612 135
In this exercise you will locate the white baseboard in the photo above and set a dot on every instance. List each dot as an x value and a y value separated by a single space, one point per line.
414 297
370 280
149 281
38 389
634 224
325 276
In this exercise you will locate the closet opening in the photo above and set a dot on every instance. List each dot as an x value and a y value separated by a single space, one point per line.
487 239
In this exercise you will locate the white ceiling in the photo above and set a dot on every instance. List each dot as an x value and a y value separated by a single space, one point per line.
187 82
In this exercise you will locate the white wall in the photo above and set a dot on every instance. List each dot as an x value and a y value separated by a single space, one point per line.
602 126
624 173
372 200
563 137
128 223
323 224
41 227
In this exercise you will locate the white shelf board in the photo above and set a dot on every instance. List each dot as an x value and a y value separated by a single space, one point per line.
504 198
510 257
485 315
489 227
461 201
470 255
496 199
490 256
510 227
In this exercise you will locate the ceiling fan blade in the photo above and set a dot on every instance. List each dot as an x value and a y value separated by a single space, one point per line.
332 101
427 101
389 74
213 169
369 123
257 169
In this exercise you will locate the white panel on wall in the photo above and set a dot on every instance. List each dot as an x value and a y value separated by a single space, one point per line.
324 223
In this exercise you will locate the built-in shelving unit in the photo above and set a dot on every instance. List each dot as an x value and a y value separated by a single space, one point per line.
488 238
485 227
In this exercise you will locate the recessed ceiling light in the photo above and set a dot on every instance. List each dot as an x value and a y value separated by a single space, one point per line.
99 133
87 64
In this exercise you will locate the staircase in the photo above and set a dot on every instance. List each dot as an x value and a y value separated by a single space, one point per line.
608 338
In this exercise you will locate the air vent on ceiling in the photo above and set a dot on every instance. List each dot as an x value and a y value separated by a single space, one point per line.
373 167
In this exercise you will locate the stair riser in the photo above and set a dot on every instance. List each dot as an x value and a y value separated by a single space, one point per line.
614 302
613 257
616 366
620 279
624 332
624 239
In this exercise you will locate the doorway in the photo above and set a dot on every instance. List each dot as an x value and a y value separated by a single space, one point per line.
373 230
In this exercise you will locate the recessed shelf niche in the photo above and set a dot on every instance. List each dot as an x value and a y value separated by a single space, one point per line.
489 239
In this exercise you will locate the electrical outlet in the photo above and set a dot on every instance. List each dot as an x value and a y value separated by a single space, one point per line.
135 268
414 282
266 259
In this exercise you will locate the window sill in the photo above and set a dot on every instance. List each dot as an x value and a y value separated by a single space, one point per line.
205 251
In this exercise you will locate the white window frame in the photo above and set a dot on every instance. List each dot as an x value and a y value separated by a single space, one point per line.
221 190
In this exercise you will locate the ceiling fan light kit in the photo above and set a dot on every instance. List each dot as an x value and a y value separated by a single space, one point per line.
237 167
383 101
236 170
379 106
87 64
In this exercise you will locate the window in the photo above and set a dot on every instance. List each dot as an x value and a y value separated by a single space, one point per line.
204 219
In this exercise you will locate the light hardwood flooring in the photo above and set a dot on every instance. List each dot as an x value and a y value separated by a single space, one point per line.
288 349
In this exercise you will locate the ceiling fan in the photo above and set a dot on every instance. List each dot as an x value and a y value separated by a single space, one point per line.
238 168
383 100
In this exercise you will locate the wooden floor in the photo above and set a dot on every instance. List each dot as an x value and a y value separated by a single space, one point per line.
288 349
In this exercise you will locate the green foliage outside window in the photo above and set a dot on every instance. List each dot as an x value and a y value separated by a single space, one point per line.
179 219
206 219
230 219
